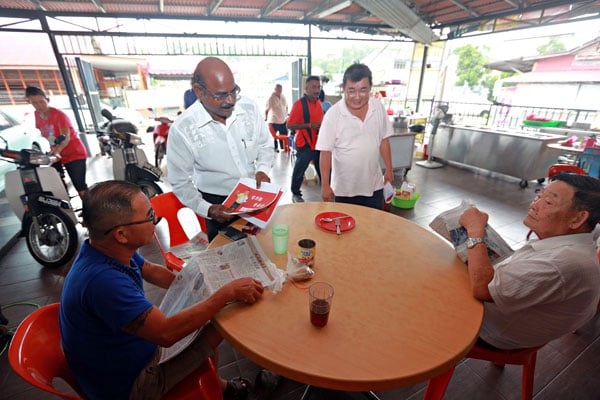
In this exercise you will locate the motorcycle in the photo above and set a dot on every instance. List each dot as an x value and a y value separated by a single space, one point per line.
38 197
129 161
160 134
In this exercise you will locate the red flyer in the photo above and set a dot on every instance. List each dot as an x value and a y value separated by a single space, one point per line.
252 204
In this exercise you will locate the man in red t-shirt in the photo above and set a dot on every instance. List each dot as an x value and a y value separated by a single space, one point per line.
64 141
305 118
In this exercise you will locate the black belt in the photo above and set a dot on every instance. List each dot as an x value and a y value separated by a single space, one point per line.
213 198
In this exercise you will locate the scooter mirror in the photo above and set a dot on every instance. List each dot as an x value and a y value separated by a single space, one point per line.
107 114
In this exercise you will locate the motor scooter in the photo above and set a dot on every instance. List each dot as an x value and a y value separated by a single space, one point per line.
160 134
129 161
38 197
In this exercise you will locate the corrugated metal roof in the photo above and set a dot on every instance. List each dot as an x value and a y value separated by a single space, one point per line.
420 20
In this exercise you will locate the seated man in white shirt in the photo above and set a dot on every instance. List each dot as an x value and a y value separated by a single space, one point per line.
551 285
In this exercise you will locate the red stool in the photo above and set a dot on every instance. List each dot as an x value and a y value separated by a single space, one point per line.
436 387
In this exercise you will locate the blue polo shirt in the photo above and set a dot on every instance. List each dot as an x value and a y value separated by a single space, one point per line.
99 297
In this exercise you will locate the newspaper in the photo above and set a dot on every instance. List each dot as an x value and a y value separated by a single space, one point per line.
207 271
446 224
188 249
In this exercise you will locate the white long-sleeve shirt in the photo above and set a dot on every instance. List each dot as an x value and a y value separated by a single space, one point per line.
205 155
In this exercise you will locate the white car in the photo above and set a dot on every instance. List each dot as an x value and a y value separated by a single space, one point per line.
18 136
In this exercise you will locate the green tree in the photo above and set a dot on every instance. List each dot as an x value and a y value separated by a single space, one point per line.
470 68
553 46
334 63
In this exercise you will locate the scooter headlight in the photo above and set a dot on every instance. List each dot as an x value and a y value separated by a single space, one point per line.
135 139
40 159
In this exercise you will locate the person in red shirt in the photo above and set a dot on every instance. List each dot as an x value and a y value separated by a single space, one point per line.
305 119
64 141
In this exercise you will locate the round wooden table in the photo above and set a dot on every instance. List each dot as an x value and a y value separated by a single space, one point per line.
402 312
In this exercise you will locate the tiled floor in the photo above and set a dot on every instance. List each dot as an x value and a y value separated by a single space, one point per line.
567 368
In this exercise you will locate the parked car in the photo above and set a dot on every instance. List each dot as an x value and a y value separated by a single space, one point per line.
19 136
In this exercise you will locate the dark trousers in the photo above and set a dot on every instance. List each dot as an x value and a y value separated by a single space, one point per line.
76 170
303 157
282 130
213 227
375 201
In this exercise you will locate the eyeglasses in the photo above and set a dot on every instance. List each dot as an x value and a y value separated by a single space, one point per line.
361 93
220 97
151 218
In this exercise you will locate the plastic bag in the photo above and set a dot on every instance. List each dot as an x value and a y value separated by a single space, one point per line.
297 271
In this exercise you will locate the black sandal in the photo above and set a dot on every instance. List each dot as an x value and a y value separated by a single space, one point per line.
237 389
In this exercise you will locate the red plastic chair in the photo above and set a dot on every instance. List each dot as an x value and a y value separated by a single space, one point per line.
167 206
202 384
556 169
284 139
436 387
35 354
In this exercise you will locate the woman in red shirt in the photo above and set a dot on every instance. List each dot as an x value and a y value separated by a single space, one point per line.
64 141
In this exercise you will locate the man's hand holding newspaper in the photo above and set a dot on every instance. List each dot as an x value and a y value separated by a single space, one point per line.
446 224
207 271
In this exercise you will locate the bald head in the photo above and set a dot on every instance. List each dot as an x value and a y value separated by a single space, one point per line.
211 68
215 87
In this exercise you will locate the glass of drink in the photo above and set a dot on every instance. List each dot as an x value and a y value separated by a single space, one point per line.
280 238
320 296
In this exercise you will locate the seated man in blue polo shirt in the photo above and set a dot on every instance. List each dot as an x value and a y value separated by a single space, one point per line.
111 333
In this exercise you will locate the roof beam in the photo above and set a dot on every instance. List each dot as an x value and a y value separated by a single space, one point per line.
514 4
467 9
213 7
38 4
272 6
326 8
99 6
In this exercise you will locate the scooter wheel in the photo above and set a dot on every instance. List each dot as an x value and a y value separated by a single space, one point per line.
159 153
52 241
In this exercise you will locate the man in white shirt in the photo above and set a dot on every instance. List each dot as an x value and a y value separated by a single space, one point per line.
276 112
550 286
353 137
216 141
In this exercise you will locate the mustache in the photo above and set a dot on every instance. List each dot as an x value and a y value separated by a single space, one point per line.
227 106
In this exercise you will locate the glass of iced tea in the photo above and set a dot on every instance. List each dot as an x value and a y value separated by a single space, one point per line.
320 296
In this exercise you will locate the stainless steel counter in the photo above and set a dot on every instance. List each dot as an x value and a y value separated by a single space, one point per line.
521 154
568 132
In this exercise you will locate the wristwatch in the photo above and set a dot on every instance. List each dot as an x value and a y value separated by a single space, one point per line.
472 242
